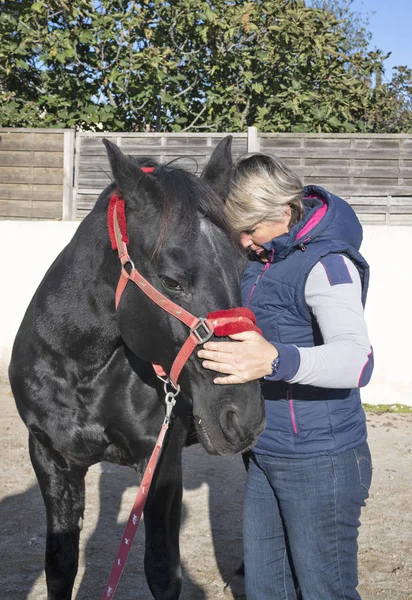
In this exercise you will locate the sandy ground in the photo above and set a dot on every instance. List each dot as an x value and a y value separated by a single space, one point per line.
211 539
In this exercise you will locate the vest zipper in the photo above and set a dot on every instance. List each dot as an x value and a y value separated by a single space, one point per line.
292 410
262 272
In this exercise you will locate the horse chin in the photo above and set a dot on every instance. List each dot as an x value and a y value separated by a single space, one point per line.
214 448
204 437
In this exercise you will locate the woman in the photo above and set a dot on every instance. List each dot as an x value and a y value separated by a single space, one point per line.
310 470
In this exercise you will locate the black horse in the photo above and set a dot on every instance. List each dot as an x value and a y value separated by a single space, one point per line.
81 371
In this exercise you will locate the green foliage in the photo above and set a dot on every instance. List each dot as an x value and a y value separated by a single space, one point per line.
391 109
354 25
387 408
188 65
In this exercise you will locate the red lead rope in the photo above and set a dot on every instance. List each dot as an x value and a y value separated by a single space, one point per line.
219 323
134 518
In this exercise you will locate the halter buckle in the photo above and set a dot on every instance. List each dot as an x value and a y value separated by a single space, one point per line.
208 332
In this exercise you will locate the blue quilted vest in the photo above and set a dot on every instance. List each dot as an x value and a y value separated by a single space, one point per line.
304 420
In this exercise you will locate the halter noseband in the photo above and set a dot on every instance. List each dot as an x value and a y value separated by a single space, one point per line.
220 323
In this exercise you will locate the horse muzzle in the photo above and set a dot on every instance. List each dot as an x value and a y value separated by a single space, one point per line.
232 431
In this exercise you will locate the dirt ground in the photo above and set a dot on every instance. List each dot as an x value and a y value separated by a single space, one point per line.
211 540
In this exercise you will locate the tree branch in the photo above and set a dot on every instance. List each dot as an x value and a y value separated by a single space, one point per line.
195 119
186 89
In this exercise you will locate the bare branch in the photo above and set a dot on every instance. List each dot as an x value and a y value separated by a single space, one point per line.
195 119
192 85
111 97
172 37
142 105
215 124
245 114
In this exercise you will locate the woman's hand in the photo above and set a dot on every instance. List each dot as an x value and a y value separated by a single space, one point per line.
249 358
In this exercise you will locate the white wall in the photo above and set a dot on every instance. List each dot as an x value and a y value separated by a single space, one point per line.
389 313
27 248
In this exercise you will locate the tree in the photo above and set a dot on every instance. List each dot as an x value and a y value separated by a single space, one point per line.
391 111
289 71
218 65
390 103
353 24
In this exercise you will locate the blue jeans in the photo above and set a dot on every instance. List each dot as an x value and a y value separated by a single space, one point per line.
301 525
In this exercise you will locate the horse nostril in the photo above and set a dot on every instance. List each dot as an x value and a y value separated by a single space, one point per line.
230 424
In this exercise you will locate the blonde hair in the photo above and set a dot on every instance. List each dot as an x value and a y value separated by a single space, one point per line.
262 188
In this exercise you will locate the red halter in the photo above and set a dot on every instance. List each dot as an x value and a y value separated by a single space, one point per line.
220 323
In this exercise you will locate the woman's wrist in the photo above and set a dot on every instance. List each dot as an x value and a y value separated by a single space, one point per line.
272 359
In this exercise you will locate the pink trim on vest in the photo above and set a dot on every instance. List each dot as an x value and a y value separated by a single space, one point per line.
313 221
364 367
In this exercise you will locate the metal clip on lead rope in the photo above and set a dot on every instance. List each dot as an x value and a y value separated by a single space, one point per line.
170 399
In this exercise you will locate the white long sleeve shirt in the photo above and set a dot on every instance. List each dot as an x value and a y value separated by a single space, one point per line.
345 359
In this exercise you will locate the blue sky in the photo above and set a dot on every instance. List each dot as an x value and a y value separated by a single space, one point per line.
390 22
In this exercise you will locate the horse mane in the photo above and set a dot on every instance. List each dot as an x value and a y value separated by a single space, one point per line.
184 197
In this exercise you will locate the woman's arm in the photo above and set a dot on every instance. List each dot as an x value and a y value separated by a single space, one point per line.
345 359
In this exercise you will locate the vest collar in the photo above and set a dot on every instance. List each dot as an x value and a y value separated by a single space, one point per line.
280 247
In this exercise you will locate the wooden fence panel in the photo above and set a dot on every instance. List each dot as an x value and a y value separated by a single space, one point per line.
31 173
372 172
92 170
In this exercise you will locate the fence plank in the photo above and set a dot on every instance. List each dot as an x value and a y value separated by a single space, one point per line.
23 191
15 209
30 210
41 175
27 142
325 153
359 172
38 159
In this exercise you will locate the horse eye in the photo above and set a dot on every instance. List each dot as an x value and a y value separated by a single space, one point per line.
171 284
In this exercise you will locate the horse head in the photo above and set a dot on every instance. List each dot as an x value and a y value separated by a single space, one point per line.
181 244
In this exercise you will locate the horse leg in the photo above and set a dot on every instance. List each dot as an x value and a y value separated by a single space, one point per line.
62 488
235 587
162 525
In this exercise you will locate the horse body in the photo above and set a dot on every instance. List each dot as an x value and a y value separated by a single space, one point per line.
81 371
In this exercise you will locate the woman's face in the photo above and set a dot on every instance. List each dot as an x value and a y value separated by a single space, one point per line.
264 231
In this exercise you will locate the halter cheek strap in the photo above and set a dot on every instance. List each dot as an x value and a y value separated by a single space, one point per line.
219 323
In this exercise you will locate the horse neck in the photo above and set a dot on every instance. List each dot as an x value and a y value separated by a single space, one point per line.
81 309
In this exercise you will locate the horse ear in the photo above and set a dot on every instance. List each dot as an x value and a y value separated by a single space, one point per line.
218 170
126 172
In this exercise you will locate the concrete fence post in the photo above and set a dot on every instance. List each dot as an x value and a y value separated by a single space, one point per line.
69 211
253 142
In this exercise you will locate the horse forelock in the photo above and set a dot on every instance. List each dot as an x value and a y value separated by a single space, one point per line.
187 200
